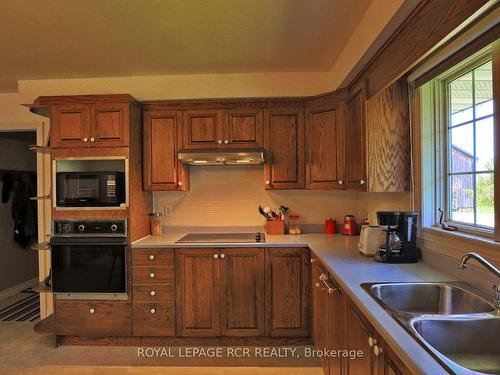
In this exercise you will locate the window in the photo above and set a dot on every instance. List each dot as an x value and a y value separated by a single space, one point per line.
470 146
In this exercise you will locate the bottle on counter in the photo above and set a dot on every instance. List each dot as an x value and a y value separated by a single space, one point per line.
294 224
156 224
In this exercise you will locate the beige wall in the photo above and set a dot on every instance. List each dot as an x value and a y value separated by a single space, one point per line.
17 265
224 196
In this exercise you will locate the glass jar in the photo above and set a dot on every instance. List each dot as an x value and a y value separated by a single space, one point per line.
156 224
294 224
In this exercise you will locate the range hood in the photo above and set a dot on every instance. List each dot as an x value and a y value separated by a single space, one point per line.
222 157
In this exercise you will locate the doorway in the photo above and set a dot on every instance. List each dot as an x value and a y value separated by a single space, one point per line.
18 227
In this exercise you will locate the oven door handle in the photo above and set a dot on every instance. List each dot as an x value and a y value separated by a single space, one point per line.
88 243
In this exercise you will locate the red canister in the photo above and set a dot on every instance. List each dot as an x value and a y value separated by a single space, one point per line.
330 226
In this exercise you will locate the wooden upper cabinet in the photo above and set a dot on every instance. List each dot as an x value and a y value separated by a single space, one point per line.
91 120
162 170
70 125
244 128
324 148
388 128
198 293
284 140
288 278
243 292
203 129
354 143
109 125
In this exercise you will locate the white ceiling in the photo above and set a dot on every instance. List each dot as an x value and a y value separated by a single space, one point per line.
105 38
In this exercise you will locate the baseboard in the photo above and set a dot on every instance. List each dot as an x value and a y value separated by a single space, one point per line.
18 288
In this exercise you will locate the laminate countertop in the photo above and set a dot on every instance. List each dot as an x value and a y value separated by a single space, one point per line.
339 254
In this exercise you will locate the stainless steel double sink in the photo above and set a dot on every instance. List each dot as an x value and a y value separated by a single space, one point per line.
457 325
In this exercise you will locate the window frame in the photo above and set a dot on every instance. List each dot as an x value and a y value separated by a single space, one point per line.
442 146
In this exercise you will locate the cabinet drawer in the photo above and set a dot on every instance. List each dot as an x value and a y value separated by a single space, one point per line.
93 318
152 275
154 319
153 292
153 257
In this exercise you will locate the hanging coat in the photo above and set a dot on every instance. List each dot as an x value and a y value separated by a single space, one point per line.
24 210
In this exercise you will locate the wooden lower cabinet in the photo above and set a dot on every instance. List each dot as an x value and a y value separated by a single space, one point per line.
220 292
243 305
198 292
93 318
153 292
288 292
339 325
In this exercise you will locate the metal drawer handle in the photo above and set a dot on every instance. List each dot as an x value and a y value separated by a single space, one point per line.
371 341
222 256
219 141
323 277
85 139
92 139
377 350
341 182
151 257
153 293
92 310
216 256
152 311
226 141
152 275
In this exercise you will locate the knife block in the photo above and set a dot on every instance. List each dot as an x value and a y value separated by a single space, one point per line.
276 227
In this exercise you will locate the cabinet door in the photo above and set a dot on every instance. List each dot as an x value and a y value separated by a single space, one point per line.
243 292
320 314
162 170
198 294
284 138
324 148
357 336
110 125
336 326
70 125
244 128
355 147
288 278
203 129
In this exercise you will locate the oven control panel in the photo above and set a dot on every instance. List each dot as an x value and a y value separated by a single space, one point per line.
89 227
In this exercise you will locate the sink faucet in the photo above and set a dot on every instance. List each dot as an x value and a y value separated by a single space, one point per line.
490 267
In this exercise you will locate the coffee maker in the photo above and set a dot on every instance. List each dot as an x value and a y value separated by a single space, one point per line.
398 240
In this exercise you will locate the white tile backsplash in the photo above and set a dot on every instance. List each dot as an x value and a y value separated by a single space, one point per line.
229 195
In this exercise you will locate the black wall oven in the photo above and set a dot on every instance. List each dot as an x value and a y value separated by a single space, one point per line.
89 257
92 189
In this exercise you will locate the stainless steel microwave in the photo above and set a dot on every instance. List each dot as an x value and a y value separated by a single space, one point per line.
90 189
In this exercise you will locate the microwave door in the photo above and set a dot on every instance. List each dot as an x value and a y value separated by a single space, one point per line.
88 188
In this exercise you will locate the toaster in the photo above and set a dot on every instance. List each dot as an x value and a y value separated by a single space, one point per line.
369 239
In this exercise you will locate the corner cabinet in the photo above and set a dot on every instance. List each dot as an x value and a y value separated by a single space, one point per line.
288 292
98 123
325 129
162 170
284 143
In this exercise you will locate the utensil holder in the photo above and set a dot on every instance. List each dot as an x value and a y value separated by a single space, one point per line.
276 227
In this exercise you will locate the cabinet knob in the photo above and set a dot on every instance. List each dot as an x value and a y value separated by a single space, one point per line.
268 182
331 290
216 256
371 341
317 285
152 275
153 293
152 311
226 141
85 139
92 310
341 182
92 139
151 257
313 260
222 256
362 182
219 141
377 350
179 183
